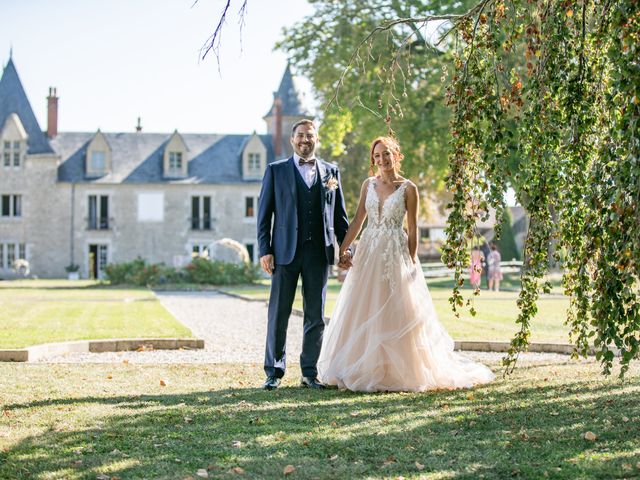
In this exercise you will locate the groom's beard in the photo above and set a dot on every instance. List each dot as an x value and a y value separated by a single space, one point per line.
305 150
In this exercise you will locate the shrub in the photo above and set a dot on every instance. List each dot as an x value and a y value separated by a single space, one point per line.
201 270
139 272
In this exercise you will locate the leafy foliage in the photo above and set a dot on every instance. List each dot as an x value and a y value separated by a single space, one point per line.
575 103
200 270
378 92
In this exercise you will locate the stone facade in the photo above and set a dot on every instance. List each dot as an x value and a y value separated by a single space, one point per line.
89 199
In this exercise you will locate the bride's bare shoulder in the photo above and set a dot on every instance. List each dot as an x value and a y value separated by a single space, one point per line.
411 187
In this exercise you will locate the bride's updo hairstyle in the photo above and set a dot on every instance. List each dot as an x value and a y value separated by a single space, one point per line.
394 146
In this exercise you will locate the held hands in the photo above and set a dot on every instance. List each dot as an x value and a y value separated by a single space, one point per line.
266 262
344 261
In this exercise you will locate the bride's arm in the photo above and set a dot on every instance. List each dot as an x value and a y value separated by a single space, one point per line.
412 220
356 224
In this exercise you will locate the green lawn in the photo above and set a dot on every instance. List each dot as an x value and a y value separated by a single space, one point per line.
117 421
43 311
495 318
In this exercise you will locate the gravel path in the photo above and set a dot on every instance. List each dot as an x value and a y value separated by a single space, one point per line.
234 331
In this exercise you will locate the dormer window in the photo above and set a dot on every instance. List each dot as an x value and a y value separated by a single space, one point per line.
254 163
175 161
13 142
12 153
98 161
254 158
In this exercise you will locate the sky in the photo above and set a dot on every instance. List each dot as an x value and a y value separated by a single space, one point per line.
114 61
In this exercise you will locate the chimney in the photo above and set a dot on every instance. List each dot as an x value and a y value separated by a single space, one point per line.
52 113
277 131
139 126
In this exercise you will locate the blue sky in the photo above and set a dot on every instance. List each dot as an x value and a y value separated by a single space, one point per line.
112 61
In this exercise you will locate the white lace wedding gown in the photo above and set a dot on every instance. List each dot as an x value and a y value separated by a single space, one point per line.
384 334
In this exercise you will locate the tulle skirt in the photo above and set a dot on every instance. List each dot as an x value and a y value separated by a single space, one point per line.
384 334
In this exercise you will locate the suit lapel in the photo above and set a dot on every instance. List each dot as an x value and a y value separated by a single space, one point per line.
291 180
320 174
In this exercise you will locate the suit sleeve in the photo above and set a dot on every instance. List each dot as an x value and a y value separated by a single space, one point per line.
340 217
265 213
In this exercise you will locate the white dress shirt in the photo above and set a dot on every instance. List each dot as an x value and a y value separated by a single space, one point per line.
308 172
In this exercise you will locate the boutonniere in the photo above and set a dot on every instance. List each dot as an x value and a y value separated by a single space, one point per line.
331 183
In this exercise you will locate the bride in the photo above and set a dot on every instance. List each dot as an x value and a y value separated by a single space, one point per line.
384 334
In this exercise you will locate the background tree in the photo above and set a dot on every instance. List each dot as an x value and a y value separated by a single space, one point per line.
376 96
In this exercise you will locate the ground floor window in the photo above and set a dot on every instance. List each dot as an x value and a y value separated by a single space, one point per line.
199 250
10 252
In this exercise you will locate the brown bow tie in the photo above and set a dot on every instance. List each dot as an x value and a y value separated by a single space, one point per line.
311 161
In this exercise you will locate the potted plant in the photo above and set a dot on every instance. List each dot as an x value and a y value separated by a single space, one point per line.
73 271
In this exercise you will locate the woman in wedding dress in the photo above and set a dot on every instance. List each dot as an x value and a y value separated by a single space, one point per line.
384 334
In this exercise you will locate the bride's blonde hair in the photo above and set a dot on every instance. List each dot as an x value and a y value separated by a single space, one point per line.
394 146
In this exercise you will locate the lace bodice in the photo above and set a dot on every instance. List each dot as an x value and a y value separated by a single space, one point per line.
389 214
384 239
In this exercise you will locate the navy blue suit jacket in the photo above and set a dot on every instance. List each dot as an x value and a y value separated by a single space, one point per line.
278 202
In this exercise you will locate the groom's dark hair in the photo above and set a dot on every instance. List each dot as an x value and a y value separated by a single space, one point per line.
304 121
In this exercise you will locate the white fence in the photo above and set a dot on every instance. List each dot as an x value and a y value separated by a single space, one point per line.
439 269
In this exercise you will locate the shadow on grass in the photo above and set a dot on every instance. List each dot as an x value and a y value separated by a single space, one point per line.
512 428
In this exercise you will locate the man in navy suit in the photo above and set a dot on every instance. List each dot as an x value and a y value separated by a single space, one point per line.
300 215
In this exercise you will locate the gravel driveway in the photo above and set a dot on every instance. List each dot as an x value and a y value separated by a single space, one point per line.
234 331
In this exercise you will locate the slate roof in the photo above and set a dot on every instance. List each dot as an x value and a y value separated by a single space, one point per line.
292 99
13 99
138 157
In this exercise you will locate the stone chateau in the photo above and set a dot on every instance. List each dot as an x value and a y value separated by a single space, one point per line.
94 198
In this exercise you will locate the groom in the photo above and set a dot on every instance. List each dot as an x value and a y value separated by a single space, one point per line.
302 198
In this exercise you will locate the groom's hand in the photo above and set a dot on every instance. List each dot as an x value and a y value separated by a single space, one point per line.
266 262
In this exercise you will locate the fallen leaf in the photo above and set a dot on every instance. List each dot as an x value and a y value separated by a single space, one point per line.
202 473
471 396
125 361
590 436
109 377
390 459
472 423
237 470
419 466
305 442
333 458
163 383
289 469
334 424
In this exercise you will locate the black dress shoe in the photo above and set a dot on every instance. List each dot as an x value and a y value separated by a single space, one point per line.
312 382
271 383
